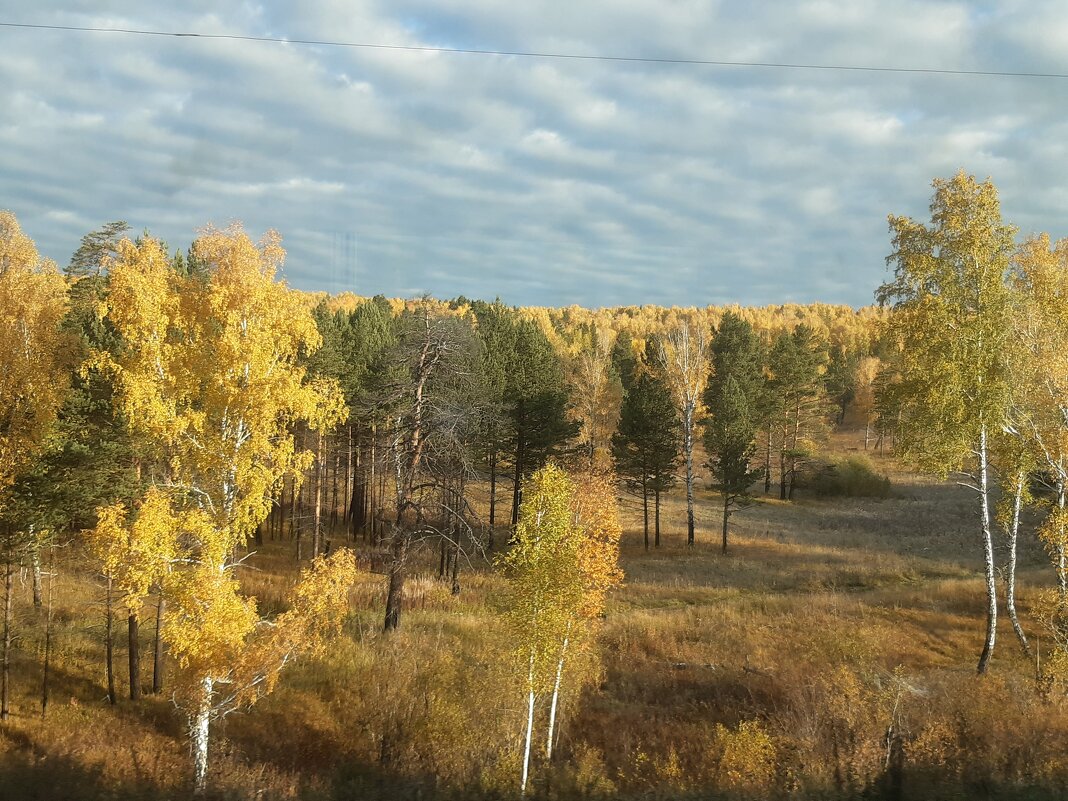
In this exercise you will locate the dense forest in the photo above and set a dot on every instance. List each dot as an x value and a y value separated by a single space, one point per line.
271 544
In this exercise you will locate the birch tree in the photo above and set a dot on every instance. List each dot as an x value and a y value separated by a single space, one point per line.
1017 463
1040 408
949 322
864 395
33 354
684 354
1040 416
33 301
210 379
563 561
597 393
545 587
596 525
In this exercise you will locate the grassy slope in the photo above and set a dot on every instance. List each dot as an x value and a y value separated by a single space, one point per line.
828 622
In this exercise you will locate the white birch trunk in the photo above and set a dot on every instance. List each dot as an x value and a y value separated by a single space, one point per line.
1010 572
35 562
556 697
200 737
530 728
988 555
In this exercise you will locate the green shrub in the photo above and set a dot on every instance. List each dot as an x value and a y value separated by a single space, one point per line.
852 477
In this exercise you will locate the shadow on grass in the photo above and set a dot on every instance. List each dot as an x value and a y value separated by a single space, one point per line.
27 775
365 785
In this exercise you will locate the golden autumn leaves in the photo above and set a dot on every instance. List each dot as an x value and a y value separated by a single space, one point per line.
33 300
211 380
563 561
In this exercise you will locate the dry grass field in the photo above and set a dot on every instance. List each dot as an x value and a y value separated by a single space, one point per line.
829 654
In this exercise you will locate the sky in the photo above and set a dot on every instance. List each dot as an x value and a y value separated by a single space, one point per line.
540 181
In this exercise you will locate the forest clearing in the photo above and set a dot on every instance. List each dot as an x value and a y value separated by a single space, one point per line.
832 624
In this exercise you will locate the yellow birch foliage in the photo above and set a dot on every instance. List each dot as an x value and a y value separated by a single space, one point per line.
211 370
563 562
546 585
137 554
318 605
33 349
211 376
1041 412
596 516
1041 329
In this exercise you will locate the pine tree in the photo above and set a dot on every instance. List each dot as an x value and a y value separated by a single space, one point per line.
645 448
90 259
731 398
796 362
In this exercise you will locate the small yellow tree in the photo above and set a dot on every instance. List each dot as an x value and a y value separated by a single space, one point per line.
563 561
545 586
210 376
596 529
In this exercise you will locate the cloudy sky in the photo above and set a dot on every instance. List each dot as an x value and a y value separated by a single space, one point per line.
542 181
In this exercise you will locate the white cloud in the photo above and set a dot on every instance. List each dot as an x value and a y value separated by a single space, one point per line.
543 181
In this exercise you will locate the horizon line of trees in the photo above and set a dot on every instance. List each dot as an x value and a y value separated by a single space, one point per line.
165 410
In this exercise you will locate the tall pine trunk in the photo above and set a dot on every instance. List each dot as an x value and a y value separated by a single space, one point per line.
520 454
726 517
645 511
109 644
294 512
334 489
5 677
350 480
372 489
656 498
320 470
157 647
767 462
793 449
135 657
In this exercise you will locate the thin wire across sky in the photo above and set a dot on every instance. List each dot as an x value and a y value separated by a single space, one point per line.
534 54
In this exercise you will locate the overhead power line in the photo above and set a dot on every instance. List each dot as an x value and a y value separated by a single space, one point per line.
535 54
